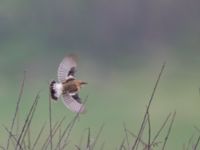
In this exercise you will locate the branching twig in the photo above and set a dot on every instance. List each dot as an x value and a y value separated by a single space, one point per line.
17 108
38 137
126 135
97 137
54 131
30 120
69 126
12 136
161 128
26 121
169 130
148 107
197 143
122 145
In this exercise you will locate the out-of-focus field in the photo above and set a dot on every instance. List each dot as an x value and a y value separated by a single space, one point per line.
121 47
116 96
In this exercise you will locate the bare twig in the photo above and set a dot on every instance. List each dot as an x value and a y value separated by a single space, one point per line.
59 136
18 122
30 119
29 138
69 127
169 130
189 142
126 135
3 148
50 123
17 108
27 121
197 143
45 144
78 148
122 145
38 137
149 132
54 131
161 128
148 107
135 136
97 137
88 140
12 136
65 131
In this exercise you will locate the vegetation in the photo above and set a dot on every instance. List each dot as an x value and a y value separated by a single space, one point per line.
59 138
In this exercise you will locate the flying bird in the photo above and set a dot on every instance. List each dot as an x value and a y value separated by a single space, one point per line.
68 86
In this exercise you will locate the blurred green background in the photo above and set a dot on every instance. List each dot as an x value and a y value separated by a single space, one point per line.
121 46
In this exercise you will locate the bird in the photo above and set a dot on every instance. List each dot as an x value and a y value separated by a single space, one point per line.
68 86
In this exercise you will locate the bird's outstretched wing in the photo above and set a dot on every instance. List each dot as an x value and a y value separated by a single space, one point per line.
67 68
73 103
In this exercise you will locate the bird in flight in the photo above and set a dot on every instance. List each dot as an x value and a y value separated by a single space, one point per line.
68 86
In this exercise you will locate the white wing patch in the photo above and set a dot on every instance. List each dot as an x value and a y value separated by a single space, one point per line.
58 88
65 67
72 104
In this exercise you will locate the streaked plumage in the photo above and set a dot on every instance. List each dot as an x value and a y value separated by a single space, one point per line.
68 86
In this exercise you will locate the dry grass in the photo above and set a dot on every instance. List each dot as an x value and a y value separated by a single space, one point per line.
21 139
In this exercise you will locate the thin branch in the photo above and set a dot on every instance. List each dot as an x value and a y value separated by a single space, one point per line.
3 148
54 131
97 137
65 131
169 130
88 140
12 136
38 137
122 145
78 148
18 123
59 137
27 121
50 123
30 119
197 143
69 127
29 137
17 108
149 132
189 142
161 128
45 144
82 138
135 136
126 135
148 107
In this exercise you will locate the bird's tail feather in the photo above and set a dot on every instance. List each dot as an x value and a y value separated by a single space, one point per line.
56 90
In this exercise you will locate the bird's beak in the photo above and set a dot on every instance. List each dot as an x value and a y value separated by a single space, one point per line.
83 83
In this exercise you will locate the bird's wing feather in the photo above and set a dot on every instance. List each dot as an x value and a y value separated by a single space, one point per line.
66 69
73 103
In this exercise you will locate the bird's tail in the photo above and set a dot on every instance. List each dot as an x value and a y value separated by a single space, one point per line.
56 90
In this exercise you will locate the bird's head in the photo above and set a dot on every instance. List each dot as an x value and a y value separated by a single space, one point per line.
81 83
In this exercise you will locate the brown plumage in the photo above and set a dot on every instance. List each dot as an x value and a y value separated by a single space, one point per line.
68 86
72 86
